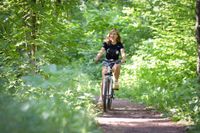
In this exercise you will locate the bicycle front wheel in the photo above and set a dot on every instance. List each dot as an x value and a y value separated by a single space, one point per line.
105 94
110 98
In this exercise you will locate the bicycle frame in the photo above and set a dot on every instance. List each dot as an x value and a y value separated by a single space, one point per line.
108 90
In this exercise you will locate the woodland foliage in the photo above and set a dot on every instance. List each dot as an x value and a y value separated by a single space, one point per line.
48 78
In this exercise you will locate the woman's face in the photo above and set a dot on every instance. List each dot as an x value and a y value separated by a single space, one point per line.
113 36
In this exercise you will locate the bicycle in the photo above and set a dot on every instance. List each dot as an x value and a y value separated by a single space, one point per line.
108 90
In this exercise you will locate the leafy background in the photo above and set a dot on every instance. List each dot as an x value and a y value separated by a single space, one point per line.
49 81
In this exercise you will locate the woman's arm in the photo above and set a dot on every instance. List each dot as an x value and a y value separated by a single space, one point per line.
100 53
123 54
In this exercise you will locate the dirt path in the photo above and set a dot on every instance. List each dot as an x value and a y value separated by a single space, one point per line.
126 117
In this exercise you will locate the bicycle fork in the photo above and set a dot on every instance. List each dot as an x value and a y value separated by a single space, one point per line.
110 87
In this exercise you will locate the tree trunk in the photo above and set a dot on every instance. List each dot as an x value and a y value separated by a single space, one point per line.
30 23
198 34
33 35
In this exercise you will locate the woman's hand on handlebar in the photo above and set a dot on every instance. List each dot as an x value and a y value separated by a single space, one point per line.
95 60
123 61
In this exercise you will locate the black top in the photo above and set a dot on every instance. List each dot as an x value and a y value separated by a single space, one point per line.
113 51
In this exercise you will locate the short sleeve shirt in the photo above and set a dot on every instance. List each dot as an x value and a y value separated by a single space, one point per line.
112 51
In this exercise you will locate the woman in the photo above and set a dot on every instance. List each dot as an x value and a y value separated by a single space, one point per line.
113 47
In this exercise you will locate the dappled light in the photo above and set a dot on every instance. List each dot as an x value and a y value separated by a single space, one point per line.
134 122
49 80
131 117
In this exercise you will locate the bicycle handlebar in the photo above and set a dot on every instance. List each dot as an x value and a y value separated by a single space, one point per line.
110 61
113 61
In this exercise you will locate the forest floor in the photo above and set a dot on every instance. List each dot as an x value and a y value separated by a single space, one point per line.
127 117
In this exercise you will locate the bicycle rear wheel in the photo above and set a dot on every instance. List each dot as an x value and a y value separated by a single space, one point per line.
105 94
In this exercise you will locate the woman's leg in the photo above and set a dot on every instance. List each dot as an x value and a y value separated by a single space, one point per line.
116 70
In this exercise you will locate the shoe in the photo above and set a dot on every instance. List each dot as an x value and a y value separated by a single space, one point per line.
116 85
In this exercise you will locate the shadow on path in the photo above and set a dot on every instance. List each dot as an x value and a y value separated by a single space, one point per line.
127 117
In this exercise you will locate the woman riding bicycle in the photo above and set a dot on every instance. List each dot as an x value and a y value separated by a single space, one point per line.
113 48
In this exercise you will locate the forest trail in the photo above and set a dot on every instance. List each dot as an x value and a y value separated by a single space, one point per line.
127 117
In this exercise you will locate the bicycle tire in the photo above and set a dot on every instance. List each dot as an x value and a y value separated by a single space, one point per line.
105 94
110 96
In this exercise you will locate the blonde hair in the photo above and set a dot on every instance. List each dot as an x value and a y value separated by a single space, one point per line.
107 40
